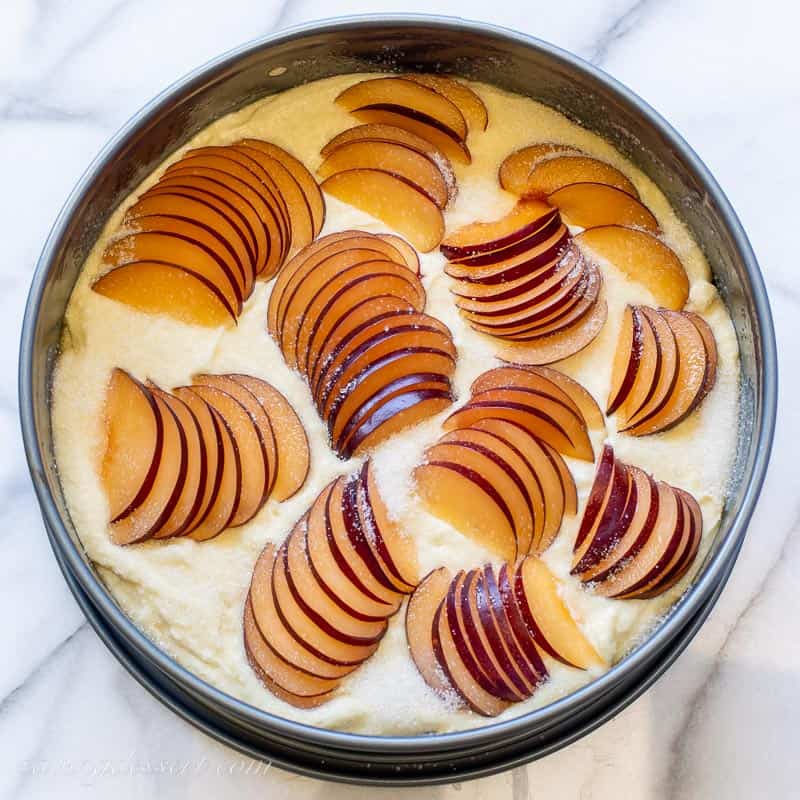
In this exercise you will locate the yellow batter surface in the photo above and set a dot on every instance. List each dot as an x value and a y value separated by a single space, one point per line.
188 596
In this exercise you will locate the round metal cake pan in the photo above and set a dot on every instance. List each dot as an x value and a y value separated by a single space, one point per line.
514 62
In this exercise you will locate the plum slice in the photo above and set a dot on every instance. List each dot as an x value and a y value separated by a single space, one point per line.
272 625
455 150
408 253
292 449
645 499
158 504
633 395
304 625
318 605
504 273
420 614
212 445
411 106
638 536
393 201
547 617
550 174
201 212
641 257
347 538
541 414
486 640
509 278
177 249
656 554
301 217
590 205
690 380
279 676
134 440
331 276
612 524
229 159
396 551
224 196
467 101
154 287
711 350
397 406
396 159
251 455
515 169
211 211
383 365
566 342
197 234
516 481
561 302
304 178
463 497
475 598
259 416
677 562
551 291
350 286
352 246
598 497
334 571
470 641
344 332
573 298
627 356
445 631
190 499
225 503
519 224
579 395
695 519
269 226
385 334
394 135
248 200
664 372
553 491
526 657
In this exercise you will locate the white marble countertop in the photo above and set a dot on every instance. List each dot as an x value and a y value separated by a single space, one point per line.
722 721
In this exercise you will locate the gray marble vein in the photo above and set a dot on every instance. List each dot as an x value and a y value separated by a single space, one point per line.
619 28
27 108
17 693
283 17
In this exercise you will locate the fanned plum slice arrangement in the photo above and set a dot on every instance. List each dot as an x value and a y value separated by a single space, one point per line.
498 475
522 280
664 366
197 460
397 165
193 245
597 197
638 536
347 313
319 604
483 639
